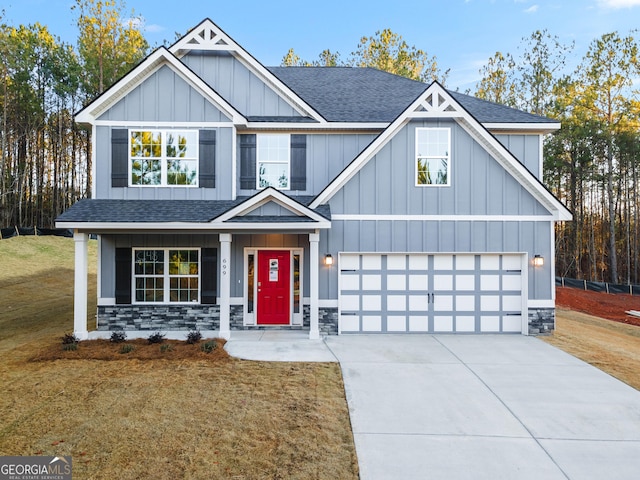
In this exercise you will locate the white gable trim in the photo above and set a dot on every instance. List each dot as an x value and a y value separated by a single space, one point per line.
161 57
267 195
208 36
436 102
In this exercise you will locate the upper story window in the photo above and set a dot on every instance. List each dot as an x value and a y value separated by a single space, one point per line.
433 156
274 161
163 157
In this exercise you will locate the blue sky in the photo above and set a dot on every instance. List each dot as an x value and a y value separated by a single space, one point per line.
462 34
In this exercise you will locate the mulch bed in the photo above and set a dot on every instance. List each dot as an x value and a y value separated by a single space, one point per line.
603 305
142 350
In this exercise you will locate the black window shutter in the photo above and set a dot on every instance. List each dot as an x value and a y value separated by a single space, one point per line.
123 276
119 157
298 162
208 276
207 159
248 162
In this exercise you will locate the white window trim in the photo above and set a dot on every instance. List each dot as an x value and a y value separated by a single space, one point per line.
166 276
263 135
163 159
415 158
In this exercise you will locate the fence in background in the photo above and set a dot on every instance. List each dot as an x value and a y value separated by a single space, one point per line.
11 232
598 286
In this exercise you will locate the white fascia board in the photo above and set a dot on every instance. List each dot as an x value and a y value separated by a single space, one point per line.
326 127
140 73
270 195
172 227
147 124
219 41
531 128
443 218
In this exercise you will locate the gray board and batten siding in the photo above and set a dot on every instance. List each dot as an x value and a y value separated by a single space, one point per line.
479 186
526 148
238 85
164 97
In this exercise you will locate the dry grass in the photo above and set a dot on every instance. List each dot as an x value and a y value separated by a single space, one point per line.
611 346
180 416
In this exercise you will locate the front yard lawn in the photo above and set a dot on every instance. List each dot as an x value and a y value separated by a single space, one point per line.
201 416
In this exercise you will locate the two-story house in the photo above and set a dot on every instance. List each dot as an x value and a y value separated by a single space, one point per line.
229 195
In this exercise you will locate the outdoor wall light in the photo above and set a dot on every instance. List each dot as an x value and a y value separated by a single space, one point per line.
328 259
538 261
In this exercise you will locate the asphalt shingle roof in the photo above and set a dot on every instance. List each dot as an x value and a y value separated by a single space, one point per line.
151 211
352 94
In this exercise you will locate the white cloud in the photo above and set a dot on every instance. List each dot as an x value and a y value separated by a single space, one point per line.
532 9
616 4
153 28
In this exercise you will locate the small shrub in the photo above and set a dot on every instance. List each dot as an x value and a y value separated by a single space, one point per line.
194 336
118 336
167 347
127 348
157 337
69 347
208 347
69 339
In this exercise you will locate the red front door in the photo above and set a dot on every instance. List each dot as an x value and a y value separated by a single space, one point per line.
274 287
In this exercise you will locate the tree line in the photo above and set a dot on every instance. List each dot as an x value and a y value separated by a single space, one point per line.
45 163
592 164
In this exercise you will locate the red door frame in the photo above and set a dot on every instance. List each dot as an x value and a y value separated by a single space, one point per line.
273 306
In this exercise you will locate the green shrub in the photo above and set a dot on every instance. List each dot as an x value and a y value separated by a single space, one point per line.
69 338
167 347
194 336
69 347
118 336
157 337
208 347
127 348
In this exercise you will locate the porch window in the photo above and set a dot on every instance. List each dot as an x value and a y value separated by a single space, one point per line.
166 275
296 283
250 280
433 156
273 158
163 157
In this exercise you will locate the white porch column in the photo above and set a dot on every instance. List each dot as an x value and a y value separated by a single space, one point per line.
225 285
314 263
80 286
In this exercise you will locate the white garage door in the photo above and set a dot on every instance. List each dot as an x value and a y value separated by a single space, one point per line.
392 293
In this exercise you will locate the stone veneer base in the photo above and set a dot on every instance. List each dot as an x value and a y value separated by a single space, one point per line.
207 317
542 321
201 317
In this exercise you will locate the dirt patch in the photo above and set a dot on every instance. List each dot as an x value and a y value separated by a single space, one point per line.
613 347
140 349
603 305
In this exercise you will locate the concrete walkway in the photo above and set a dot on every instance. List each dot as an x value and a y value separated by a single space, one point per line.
475 407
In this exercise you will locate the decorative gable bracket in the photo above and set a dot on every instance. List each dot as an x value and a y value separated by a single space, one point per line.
436 104
205 37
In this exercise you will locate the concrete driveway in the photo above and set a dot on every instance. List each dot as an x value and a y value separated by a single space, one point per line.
484 407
